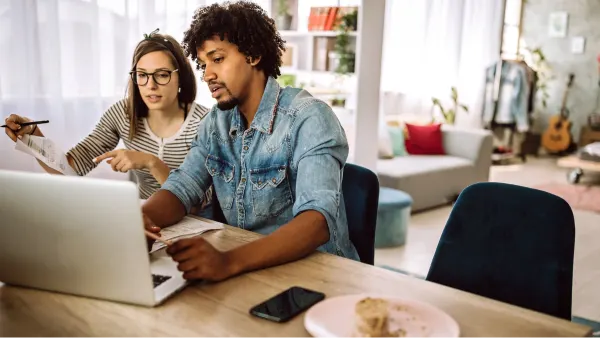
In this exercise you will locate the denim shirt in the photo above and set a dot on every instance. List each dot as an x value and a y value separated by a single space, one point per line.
288 161
513 96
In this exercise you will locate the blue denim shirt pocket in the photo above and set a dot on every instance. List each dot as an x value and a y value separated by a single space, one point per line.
271 192
222 173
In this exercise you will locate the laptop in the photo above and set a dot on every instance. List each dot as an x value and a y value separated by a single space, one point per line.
81 236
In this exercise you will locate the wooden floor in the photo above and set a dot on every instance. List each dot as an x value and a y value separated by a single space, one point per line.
425 229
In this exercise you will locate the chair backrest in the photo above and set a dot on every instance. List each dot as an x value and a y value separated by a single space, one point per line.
360 187
509 243
217 212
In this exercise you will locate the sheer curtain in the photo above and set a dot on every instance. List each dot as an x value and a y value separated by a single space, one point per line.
68 60
432 45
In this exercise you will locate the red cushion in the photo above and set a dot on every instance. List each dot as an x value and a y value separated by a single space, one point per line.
424 140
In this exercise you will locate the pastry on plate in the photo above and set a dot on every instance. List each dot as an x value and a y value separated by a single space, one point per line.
372 319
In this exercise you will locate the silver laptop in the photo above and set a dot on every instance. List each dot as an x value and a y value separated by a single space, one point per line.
80 236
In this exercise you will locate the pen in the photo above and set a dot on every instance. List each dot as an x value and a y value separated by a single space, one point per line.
154 236
24 124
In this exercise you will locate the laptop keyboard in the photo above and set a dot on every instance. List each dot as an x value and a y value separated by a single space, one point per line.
159 279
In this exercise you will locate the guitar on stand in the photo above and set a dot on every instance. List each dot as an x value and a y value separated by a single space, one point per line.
557 138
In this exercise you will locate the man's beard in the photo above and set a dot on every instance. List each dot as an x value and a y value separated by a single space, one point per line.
229 104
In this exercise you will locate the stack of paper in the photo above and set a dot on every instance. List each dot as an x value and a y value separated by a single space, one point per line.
187 227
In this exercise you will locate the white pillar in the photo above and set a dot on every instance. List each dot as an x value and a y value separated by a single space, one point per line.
368 70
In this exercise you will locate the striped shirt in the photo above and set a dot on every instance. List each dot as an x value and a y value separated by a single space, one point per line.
114 126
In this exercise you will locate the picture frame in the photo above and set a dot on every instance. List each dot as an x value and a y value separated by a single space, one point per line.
557 24
289 59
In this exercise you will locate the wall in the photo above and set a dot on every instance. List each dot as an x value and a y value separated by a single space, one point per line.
584 20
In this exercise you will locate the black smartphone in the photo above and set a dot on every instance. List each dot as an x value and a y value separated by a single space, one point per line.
286 305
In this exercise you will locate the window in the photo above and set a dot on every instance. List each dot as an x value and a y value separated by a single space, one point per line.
511 30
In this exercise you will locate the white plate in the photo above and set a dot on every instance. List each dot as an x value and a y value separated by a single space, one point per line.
334 317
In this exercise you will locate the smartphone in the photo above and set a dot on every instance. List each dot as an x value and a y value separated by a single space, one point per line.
288 304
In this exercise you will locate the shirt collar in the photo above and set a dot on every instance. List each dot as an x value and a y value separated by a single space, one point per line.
265 115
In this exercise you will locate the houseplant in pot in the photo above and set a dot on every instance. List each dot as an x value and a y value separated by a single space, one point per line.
449 114
342 58
284 18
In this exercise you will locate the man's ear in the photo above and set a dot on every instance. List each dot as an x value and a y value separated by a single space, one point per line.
253 61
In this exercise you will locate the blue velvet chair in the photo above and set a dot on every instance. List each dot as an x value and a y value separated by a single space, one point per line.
360 187
509 243
217 212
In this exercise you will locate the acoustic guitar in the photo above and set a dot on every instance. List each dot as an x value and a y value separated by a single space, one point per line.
557 138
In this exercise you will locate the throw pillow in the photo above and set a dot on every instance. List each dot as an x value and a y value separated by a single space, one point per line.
385 149
397 138
424 140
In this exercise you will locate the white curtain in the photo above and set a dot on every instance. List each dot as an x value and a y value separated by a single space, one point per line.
68 60
432 45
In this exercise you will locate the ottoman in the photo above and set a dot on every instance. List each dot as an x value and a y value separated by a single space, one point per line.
393 214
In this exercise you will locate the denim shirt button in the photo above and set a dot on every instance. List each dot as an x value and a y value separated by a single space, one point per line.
244 180
259 182
274 180
245 147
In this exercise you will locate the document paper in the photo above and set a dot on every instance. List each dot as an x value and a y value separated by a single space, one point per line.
187 227
46 151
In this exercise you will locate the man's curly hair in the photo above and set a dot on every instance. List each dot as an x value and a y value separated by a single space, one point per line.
244 24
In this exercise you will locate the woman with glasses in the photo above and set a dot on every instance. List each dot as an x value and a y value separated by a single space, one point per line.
157 121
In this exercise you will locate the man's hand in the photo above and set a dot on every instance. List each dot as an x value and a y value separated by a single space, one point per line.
197 259
124 160
151 227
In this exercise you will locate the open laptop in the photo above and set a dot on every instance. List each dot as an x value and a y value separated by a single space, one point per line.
81 236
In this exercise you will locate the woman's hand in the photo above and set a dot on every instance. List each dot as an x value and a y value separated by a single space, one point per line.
14 129
123 160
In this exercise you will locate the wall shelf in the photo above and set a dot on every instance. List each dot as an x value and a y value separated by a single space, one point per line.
310 60
293 33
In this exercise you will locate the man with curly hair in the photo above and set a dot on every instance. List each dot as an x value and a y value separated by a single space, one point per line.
275 155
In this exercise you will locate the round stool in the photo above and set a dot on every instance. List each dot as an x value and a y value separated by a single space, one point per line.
393 214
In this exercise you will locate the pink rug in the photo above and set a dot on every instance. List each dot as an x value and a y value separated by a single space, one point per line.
581 197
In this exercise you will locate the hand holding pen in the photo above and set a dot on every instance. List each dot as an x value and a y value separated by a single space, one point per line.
16 126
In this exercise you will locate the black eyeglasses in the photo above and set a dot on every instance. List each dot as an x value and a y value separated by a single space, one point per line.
161 77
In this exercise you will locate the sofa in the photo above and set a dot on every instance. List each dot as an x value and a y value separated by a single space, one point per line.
435 180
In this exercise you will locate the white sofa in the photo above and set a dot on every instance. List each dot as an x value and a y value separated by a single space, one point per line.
434 180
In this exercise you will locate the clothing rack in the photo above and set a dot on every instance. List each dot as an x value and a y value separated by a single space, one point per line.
506 151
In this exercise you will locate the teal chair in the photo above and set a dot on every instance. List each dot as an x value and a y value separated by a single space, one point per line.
360 187
509 243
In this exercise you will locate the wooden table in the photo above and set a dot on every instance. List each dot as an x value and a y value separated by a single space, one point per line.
578 165
221 309
573 161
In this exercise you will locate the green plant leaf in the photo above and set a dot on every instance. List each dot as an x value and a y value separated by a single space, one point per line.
466 109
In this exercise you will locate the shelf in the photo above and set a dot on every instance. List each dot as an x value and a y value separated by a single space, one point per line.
313 33
321 73
321 91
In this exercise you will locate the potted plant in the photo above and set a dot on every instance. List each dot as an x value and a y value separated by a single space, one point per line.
338 102
284 18
536 59
342 57
450 113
